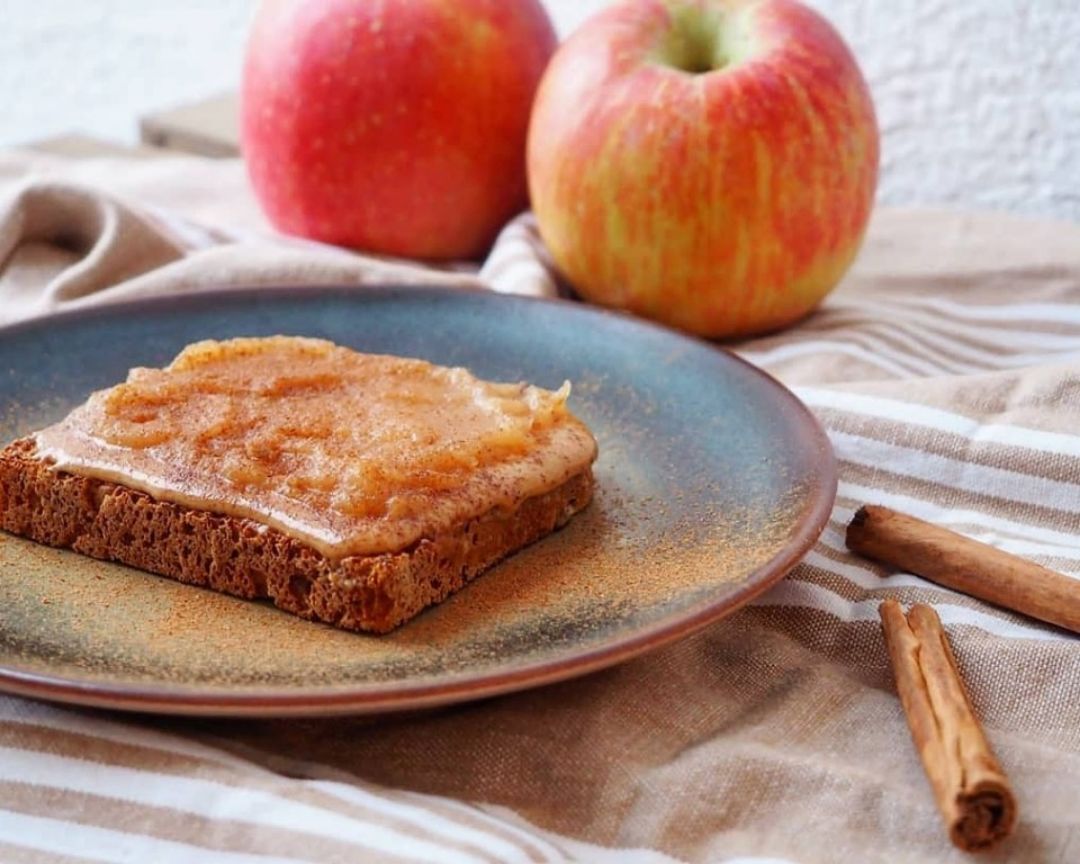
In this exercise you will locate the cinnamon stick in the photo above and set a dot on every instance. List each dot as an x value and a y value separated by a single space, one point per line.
967 565
971 790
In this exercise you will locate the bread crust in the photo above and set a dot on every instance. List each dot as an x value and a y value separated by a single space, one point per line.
373 593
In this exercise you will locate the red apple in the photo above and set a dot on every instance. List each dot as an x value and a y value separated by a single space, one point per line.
394 126
707 163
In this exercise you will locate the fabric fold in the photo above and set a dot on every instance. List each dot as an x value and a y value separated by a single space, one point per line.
61 242
66 244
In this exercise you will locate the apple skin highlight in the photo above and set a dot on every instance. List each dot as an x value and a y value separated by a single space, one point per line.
392 126
708 164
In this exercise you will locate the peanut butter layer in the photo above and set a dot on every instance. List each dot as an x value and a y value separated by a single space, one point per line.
351 453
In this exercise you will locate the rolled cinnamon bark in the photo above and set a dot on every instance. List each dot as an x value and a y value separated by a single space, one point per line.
967 565
972 792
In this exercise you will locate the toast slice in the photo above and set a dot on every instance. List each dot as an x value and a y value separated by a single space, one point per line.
347 488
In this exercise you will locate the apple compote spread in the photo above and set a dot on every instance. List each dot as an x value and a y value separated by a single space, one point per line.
352 453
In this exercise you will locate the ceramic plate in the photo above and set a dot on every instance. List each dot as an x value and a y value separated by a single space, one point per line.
713 480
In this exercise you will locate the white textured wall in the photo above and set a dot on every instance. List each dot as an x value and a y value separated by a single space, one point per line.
96 65
979 100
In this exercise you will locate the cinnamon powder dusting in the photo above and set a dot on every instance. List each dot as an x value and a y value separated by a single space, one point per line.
665 535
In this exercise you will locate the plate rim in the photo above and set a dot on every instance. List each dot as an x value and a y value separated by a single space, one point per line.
384 698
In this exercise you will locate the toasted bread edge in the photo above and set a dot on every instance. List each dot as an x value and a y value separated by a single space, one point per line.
373 593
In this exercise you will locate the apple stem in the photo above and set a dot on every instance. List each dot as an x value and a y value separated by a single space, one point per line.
694 42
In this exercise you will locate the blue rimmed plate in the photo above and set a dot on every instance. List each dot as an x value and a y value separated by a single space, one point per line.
713 481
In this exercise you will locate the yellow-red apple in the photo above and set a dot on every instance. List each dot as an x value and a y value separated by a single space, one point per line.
707 163
394 126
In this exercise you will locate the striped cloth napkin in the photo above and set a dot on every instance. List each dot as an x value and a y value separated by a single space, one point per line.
947 371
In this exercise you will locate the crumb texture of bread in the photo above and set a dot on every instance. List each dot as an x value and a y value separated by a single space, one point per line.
373 593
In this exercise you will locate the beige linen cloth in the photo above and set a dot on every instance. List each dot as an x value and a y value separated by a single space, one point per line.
947 372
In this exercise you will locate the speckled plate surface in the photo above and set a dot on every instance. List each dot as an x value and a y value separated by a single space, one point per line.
713 482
